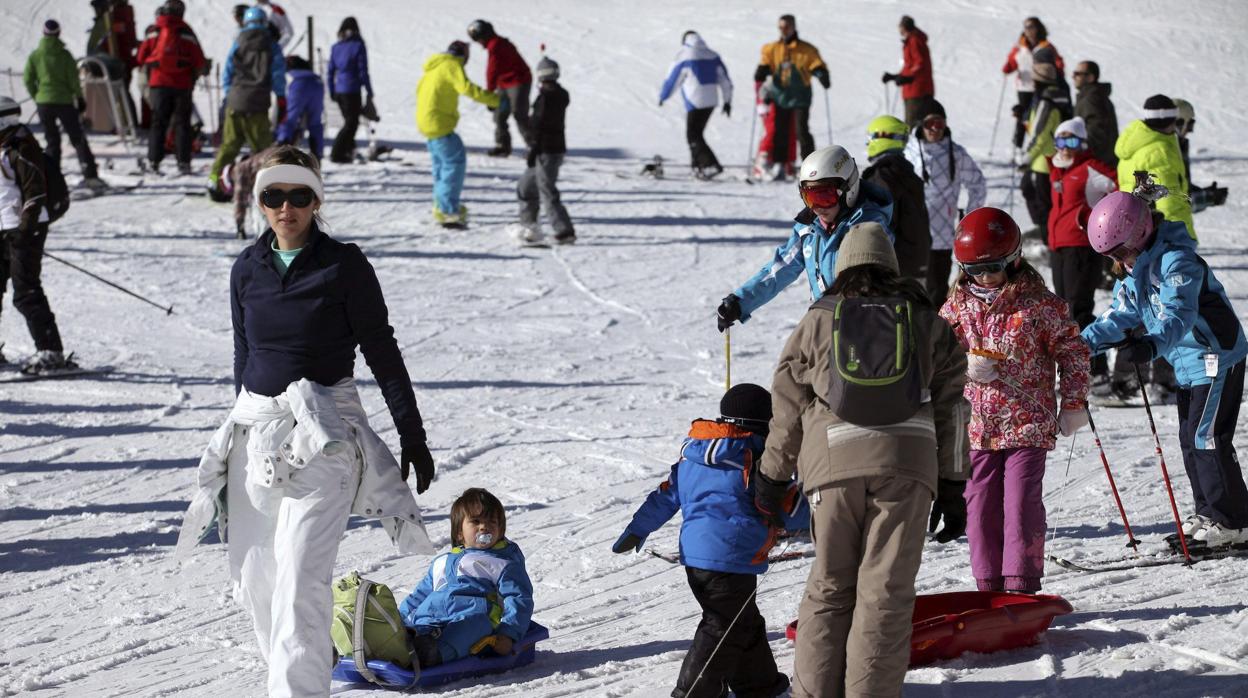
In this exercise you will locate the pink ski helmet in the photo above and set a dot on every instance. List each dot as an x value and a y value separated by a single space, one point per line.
1119 219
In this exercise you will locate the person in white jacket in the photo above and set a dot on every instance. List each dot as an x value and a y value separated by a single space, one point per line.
702 78
280 20
946 169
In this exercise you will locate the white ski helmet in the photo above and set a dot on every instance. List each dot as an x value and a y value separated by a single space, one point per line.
10 112
832 162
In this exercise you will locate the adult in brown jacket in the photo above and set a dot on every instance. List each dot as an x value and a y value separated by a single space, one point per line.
869 487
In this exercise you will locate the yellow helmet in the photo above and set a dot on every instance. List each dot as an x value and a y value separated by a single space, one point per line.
885 133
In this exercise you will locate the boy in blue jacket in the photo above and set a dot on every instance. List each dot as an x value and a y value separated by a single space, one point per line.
305 105
724 543
478 595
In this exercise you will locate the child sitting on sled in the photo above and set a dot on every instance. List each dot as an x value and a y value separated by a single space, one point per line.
724 542
478 595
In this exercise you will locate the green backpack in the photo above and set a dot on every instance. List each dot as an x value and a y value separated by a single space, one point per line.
367 624
875 377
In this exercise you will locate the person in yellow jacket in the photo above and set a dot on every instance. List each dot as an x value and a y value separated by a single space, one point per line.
782 80
1151 145
437 113
1048 109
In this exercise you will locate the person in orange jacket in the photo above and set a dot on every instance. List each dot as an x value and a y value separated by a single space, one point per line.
1020 62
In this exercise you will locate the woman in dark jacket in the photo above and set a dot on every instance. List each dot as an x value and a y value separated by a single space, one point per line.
348 73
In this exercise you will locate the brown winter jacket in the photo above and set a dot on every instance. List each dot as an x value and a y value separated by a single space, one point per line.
808 438
26 158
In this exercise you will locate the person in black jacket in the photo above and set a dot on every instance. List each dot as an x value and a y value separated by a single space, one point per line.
1093 104
890 169
538 186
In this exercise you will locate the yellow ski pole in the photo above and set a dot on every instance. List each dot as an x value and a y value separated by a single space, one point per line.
727 358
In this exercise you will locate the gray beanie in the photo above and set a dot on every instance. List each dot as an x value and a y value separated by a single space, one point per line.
866 243
547 69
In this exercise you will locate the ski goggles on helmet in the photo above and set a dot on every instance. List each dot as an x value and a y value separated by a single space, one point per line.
1121 253
299 198
822 193
1068 142
887 136
934 123
995 266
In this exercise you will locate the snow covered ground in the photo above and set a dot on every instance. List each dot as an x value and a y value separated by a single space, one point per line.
564 380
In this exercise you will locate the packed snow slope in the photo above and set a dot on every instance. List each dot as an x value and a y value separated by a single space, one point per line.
564 380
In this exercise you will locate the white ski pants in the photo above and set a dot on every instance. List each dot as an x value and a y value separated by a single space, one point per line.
283 542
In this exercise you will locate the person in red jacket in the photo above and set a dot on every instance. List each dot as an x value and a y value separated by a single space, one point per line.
173 59
1019 61
915 78
507 74
1078 181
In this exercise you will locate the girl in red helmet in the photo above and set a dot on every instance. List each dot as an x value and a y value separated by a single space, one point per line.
1019 336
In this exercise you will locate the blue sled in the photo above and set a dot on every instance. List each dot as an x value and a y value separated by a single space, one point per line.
396 677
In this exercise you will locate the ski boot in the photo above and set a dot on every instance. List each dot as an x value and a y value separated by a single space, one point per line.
566 237
1215 535
48 361
215 192
529 234
184 169
453 221
499 151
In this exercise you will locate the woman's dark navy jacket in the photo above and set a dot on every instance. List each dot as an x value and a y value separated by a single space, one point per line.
308 324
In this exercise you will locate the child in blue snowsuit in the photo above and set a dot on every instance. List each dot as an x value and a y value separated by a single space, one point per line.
305 105
724 543
478 595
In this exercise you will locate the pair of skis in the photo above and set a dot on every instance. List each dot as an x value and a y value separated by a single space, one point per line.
1173 557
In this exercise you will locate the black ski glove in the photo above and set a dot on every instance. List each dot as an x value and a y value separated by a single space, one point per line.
627 542
729 311
1137 350
1217 195
950 506
769 498
1017 111
822 75
888 77
417 456
728 113
904 80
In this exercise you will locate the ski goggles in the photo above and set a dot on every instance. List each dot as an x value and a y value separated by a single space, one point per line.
1121 252
995 266
1068 142
934 123
299 198
823 193
887 136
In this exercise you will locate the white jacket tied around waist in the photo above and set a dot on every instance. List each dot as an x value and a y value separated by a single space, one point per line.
282 435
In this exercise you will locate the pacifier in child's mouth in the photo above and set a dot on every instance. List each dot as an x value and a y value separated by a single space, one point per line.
485 539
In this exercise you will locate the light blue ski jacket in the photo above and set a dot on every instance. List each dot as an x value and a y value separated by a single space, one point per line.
701 76
467 584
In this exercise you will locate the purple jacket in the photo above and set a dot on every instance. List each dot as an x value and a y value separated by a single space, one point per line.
305 104
348 67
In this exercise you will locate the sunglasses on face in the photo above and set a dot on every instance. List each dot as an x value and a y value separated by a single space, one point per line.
299 198
821 194
1068 142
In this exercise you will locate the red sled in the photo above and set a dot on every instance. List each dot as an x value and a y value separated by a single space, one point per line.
946 625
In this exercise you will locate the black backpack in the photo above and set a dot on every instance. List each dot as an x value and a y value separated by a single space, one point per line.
56 198
874 377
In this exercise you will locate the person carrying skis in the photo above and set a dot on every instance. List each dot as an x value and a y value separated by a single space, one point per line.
1019 61
1016 332
782 84
305 104
834 199
1092 104
1171 304
348 74
538 187
724 544
1151 145
702 77
891 170
1049 107
437 114
915 79
1078 182
173 60
870 460
23 231
947 169
51 79
507 75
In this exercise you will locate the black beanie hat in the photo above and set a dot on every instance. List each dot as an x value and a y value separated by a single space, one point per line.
51 28
458 48
934 108
748 406
1160 112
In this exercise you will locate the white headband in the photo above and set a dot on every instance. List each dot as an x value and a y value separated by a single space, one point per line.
1161 113
288 174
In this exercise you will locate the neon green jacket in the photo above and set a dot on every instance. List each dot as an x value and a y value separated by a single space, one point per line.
437 95
51 74
1141 148
1041 124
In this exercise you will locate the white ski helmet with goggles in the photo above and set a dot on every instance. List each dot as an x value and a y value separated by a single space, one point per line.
832 162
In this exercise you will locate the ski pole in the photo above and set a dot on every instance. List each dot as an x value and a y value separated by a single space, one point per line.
992 143
97 277
1161 458
749 151
727 358
1131 541
1014 175
827 109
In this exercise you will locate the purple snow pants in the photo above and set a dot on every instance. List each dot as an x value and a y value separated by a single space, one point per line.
1005 518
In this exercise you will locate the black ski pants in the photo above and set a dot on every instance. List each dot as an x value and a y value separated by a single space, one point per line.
1038 194
1076 276
939 264
170 105
351 104
1207 416
21 259
744 662
57 116
798 118
700 154
518 105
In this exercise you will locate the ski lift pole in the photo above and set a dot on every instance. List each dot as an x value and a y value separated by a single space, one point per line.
1161 458
727 358
1113 487
97 277
992 142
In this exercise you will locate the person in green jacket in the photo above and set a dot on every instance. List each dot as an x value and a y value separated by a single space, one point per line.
51 78
1048 106
437 114
1151 145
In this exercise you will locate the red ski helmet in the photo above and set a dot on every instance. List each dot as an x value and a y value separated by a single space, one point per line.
986 234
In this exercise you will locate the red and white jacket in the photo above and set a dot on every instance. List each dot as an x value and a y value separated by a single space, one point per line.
1020 60
1076 187
1033 329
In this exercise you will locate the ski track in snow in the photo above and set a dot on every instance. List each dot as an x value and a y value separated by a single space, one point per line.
564 380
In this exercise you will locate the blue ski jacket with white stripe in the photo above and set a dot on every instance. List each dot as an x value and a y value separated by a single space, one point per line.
712 487
1174 295
489 586
701 75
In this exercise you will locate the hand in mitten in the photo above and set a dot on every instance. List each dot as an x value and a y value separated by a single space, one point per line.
729 312
888 77
1137 350
904 80
416 455
627 542
1071 420
763 108
769 498
981 369
821 74
949 506
727 109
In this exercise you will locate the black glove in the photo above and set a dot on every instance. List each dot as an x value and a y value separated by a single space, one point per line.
769 498
417 455
627 542
888 77
1217 195
823 77
1017 111
904 80
729 311
728 112
1137 350
950 505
